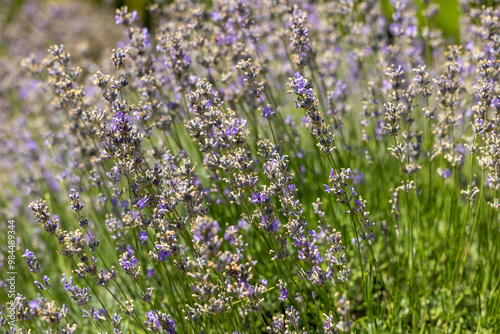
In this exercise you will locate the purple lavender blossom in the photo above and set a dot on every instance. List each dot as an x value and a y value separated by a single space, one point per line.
157 320
141 204
283 297
32 262
143 237
267 112
45 285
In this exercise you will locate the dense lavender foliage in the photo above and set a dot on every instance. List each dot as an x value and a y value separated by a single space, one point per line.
250 166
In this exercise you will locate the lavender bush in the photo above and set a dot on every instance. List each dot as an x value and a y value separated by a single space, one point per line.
253 166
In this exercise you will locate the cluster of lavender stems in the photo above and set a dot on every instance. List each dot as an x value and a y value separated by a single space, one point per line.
247 167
